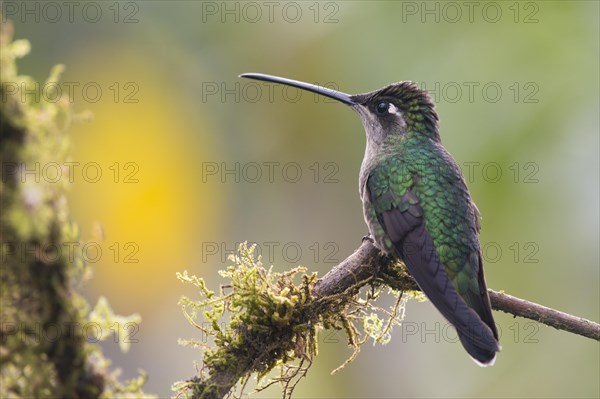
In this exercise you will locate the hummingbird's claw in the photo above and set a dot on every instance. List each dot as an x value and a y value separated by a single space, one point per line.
368 237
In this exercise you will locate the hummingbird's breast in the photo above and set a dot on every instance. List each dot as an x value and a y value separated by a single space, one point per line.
427 170
375 165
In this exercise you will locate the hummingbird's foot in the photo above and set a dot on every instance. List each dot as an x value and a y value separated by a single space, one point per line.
368 237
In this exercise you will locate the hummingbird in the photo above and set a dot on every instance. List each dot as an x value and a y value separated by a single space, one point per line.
417 206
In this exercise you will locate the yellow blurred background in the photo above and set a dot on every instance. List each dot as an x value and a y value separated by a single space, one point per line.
194 160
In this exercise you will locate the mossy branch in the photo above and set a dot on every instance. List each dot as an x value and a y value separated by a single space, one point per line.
368 263
44 348
339 288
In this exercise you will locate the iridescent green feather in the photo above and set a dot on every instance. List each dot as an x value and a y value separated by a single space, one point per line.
424 166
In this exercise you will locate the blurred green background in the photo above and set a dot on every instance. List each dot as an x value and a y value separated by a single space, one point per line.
195 160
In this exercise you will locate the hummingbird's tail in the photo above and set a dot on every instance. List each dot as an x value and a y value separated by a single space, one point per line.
480 303
482 356
470 314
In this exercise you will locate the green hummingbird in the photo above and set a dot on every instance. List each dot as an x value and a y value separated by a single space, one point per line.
417 206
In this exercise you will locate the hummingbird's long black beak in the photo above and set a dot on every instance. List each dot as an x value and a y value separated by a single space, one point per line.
324 91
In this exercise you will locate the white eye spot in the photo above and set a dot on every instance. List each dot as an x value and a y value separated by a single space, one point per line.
393 110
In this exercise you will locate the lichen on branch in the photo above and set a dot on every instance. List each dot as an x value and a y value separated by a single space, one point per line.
260 320
344 297
44 350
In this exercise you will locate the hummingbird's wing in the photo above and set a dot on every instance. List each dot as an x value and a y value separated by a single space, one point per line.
400 214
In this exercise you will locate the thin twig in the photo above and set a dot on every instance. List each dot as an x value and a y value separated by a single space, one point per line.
542 314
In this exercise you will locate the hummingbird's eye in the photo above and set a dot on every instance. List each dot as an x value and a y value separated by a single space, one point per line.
382 107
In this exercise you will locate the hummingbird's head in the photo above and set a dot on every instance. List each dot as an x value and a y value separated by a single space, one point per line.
397 109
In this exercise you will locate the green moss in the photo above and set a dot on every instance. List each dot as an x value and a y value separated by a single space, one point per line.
43 350
260 320
268 316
